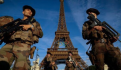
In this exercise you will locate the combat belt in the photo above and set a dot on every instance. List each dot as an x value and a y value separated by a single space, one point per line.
32 52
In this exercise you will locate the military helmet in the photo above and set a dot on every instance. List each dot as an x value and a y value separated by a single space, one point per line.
49 53
29 7
93 10
70 52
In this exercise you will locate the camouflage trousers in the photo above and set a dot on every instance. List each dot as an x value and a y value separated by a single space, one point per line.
106 53
16 51
14 60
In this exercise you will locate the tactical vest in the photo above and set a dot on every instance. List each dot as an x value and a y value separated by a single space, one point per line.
29 36
22 35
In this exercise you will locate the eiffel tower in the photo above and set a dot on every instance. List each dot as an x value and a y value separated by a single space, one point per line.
59 55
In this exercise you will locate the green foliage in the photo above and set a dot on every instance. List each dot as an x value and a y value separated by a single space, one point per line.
11 69
92 67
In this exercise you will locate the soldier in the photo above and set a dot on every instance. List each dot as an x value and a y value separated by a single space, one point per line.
102 50
19 43
47 61
53 66
71 63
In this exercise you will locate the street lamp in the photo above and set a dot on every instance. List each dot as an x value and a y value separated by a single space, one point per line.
1 1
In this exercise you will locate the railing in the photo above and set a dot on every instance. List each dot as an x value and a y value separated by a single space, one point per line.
62 49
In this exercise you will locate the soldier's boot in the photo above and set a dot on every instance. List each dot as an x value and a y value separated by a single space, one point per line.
32 52
100 61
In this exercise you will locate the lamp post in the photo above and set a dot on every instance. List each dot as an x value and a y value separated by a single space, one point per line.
1 1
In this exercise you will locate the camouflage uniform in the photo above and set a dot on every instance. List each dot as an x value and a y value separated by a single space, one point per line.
13 58
53 66
18 46
28 61
101 51
70 66
47 62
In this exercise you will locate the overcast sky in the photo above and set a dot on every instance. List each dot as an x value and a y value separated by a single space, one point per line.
47 14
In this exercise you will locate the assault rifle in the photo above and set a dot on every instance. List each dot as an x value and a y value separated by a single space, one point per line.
71 60
109 30
13 26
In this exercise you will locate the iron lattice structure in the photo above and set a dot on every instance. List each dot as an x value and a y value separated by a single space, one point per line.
59 55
